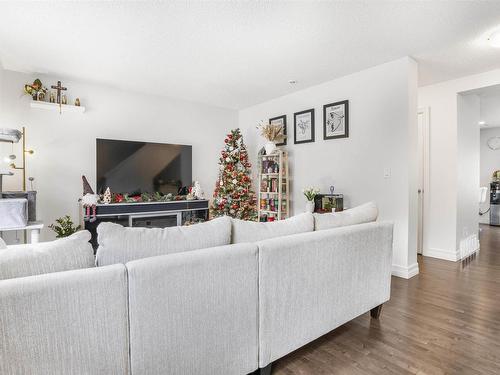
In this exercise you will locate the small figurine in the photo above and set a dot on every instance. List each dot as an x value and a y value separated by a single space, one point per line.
41 96
64 100
52 97
77 102
89 201
107 197
198 191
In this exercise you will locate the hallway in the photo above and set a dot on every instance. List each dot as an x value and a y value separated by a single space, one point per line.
446 320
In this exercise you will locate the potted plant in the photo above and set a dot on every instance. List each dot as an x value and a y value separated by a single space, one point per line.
273 133
35 90
64 227
310 193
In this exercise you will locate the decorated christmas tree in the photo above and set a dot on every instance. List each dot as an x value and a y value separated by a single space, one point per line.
233 194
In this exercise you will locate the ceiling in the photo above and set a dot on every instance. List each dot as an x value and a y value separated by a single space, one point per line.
236 54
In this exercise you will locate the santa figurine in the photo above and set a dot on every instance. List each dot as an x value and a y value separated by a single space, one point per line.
89 201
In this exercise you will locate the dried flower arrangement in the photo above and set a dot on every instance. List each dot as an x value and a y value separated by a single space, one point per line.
272 132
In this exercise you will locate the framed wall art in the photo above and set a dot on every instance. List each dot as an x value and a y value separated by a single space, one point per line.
336 120
280 120
303 125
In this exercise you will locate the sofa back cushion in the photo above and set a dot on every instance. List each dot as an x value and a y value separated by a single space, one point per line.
195 312
65 254
364 213
251 231
118 244
72 322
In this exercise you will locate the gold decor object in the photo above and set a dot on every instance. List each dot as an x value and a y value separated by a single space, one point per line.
25 151
64 100
77 102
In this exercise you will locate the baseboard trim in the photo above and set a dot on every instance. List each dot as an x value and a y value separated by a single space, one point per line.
441 254
405 272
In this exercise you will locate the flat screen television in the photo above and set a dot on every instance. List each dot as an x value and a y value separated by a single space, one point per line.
142 167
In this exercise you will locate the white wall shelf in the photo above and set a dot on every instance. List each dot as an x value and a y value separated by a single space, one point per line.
55 107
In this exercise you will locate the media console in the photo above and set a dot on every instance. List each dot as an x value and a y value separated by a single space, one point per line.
147 214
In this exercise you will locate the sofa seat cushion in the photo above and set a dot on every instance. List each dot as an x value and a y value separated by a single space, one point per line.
364 213
251 231
118 244
64 254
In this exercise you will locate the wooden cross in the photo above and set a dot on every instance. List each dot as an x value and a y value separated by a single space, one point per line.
59 88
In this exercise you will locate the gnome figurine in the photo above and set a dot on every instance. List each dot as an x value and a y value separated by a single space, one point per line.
89 201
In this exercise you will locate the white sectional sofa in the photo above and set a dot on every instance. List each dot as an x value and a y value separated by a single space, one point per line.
223 297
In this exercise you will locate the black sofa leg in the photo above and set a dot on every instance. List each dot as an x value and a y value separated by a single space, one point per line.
375 312
266 370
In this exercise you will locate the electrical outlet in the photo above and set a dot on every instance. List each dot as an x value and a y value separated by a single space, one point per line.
387 172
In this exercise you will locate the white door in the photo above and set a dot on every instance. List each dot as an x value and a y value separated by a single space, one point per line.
422 154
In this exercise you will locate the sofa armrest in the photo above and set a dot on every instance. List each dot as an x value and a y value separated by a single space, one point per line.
71 322
311 283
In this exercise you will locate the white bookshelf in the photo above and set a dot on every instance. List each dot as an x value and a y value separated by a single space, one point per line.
274 186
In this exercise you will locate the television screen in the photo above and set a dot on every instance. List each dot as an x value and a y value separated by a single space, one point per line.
141 167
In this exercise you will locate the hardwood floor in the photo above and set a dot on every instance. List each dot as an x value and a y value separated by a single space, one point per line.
446 320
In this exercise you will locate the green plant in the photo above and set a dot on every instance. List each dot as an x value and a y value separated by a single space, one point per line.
64 227
310 193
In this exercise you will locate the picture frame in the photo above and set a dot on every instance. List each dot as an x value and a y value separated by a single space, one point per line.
280 120
336 120
303 126
325 203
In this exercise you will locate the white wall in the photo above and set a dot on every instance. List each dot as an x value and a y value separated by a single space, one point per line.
468 107
2 73
490 109
382 136
65 144
490 162
441 99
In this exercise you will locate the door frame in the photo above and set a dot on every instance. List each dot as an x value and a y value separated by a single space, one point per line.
423 182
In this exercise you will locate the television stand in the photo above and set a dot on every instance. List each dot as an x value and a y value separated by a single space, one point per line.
147 214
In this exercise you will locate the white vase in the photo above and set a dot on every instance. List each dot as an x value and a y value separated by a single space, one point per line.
270 147
310 206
